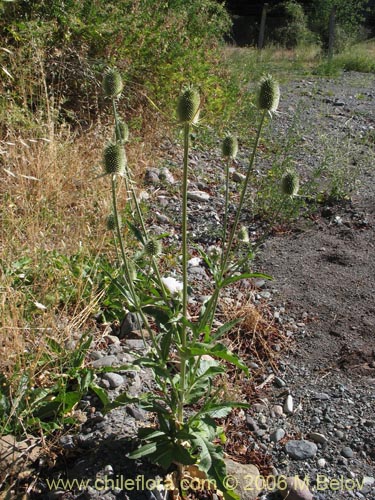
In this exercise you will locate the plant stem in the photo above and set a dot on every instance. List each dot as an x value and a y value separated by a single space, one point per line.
225 207
180 411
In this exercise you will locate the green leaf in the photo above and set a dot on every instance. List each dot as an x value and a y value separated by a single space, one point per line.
234 279
143 451
137 233
226 328
101 393
220 351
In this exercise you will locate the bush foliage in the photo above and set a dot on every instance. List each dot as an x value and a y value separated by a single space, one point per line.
55 51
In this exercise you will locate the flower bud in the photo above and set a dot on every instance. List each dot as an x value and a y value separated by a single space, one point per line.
111 222
114 159
153 248
112 83
290 184
230 146
188 106
243 235
268 94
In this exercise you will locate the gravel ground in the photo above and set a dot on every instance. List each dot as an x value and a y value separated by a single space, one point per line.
314 414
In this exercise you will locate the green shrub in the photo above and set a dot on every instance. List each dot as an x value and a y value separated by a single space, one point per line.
292 29
59 48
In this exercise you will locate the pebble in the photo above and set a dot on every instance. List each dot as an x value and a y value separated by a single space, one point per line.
104 362
114 379
321 463
130 323
295 489
198 196
288 405
238 177
277 410
277 435
279 382
301 449
317 437
347 452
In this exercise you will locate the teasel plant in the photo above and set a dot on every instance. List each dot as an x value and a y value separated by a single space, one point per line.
186 355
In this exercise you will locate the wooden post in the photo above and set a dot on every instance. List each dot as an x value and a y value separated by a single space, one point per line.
262 26
331 38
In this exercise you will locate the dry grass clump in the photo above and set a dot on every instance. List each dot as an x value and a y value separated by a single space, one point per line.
256 336
53 211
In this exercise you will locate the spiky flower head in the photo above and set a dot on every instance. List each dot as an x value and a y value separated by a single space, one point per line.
111 222
290 184
114 159
214 253
243 235
112 83
230 146
188 106
268 94
153 248
122 132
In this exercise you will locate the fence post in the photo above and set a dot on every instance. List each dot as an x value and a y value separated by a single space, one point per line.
262 26
331 37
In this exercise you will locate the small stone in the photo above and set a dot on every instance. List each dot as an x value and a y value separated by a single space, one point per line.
295 489
279 382
315 420
288 405
301 449
166 176
238 177
321 463
67 442
340 434
277 410
317 437
163 219
322 396
243 476
114 379
151 176
265 295
252 425
104 361
347 452
131 322
136 413
277 435
198 196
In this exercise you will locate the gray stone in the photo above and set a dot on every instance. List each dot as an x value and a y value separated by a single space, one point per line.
322 396
347 452
130 323
114 379
244 479
163 219
279 382
136 413
294 489
67 442
321 463
277 411
252 425
198 196
104 361
317 437
151 176
166 176
238 177
301 449
277 435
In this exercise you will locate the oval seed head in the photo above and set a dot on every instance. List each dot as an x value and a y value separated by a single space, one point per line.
153 248
268 94
111 222
230 146
112 83
114 159
290 184
243 235
122 132
188 106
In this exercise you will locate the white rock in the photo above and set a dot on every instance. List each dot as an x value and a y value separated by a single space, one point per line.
198 196
289 404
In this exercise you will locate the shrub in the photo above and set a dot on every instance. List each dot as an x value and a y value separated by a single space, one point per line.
292 27
59 48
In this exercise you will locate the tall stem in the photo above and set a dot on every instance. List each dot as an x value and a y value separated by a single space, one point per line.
225 207
180 413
